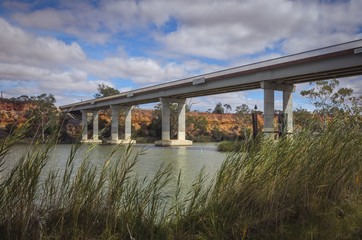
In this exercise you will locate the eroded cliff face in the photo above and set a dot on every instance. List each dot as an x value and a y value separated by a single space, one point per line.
15 113
226 122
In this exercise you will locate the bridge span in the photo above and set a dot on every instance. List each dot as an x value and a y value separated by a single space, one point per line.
280 74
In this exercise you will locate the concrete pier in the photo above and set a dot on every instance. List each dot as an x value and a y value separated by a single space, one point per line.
288 110
128 125
115 109
269 113
84 125
114 124
166 119
95 127
166 136
287 90
181 120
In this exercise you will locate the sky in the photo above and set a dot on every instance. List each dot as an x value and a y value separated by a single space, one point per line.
68 47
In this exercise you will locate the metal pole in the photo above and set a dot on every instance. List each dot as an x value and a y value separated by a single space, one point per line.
254 116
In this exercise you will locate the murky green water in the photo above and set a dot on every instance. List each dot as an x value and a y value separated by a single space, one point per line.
187 159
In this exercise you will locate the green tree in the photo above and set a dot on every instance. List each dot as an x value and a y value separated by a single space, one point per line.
242 114
200 124
23 98
43 111
325 97
302 117
242 109
105 91
227 107
218 108
356 105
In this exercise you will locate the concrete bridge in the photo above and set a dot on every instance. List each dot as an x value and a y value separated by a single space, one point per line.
280 74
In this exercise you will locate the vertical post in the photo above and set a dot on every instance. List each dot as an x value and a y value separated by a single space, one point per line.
95 125
281 124
181 129
114 122
268 113
288 110
165 119
128 122
84 125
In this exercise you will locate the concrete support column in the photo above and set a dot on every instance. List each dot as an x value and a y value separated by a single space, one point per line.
84 125
166 120
181 122
269 113
128 122
114 122
95 125
288 110
181 129
115 125
287 90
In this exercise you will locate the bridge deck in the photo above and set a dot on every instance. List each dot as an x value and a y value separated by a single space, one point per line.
336 61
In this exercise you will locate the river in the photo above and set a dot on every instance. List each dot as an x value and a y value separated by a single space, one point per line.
187 159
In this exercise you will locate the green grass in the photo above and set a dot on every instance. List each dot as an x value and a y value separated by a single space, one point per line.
229 146
303 187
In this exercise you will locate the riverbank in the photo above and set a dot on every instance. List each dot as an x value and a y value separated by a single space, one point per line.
305 187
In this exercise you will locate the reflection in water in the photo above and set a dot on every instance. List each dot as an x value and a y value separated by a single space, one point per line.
187 159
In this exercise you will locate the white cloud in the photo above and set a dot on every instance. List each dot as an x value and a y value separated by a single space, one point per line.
218 29
49 65
222 30
141 70
18 46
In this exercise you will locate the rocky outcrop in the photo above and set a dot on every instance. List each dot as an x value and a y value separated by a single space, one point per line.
13 113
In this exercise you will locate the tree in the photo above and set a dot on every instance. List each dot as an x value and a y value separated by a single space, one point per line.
43 111
189 104
356 105
218 108
105 91
326 98
302 117
23 98
200 125
242 110
227 107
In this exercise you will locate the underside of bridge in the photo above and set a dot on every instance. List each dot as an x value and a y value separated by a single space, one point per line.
279 74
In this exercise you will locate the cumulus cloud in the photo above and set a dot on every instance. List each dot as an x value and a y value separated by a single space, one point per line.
141 70
236 32
217 29
227 29
50 65
16 46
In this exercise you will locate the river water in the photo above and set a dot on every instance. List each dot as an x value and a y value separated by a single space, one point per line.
187 159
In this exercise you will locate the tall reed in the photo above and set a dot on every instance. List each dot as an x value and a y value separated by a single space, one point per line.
302 187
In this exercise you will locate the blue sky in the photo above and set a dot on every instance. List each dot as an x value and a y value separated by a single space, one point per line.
68 47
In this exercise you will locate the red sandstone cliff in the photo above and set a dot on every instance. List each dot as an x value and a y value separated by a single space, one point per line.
13 113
